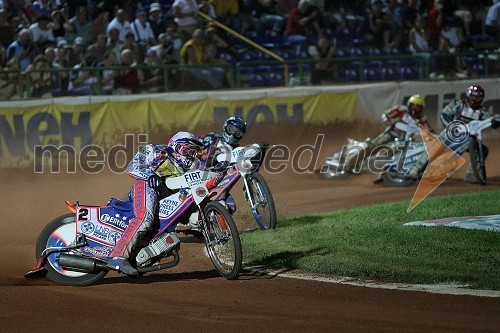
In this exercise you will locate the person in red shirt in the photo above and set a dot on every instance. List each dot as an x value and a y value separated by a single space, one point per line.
127 80
296 27
435 20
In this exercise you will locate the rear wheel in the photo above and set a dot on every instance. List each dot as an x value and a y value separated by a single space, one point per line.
477 161
392 179
61 232
265 211
223 243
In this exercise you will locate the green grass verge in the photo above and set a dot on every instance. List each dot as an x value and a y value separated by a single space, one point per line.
372 243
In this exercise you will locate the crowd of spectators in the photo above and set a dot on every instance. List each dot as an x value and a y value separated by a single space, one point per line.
85 38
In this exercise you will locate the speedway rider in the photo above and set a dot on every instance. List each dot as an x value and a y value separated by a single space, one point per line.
414 107
232 131
462 110
182 153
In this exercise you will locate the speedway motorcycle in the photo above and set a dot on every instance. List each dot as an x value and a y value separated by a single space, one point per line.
245 163
73 248
333 166
469 134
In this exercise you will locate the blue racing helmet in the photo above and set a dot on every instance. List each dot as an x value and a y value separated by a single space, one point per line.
233 130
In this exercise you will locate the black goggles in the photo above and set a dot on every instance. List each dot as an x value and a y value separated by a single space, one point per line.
234 131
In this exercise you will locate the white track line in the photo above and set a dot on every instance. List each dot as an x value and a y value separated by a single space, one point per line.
449 289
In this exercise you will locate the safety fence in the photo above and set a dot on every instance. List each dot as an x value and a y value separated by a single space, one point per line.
251 70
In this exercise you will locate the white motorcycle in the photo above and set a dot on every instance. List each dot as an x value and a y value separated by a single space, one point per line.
334 165
245 163
470 134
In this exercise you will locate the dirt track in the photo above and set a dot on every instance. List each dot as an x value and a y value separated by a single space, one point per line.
192 297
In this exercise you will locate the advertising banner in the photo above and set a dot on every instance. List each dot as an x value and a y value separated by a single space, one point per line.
25 130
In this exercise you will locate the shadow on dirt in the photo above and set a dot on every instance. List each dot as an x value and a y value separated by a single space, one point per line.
167 277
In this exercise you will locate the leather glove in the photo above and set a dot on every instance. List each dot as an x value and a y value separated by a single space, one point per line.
221 166
264 145
495 123
155 182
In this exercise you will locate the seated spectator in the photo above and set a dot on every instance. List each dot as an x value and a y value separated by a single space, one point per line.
127 80
121 24
444 62
9 81
151 78
98 24
296 25
7 35
59 18
131 45
113 42
267 13
77 26
76 52
435 20
324 72
143 33
61 61
192 53
213 48
108 75
394 12
99 48
156 19
82 82
418 37
378 26
452 32
40 81
168 50
492 21
41 33
22 49
184 12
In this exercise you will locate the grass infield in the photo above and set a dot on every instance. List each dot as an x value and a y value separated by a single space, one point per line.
372 243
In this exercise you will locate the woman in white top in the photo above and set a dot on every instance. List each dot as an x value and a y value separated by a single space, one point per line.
419 40
184 12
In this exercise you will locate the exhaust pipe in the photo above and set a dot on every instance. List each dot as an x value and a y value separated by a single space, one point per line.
81 264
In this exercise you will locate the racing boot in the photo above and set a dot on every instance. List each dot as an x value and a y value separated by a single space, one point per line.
469 175
414 172
122 264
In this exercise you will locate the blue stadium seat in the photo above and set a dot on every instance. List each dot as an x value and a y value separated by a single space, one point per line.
388 74
375 52
478 69
408 73
276 80
352 75
257 80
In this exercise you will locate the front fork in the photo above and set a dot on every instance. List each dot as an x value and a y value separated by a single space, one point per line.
253 205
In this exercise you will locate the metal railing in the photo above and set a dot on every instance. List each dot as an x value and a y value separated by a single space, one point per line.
364 69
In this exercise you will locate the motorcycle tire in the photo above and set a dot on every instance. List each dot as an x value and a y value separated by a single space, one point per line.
391 180
328 172
223 244
261 194
61 232
477 161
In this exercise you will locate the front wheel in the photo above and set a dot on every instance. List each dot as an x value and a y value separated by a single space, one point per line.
264 210
477 161
223 241
61 232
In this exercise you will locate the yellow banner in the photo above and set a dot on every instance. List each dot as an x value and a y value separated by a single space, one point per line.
28 130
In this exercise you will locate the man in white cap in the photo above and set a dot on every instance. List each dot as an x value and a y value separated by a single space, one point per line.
156 19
